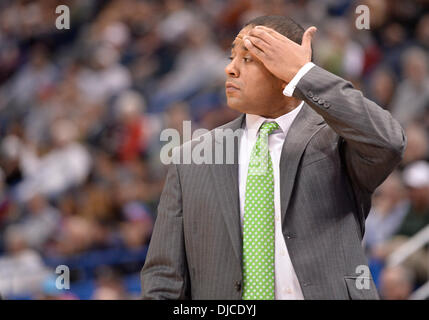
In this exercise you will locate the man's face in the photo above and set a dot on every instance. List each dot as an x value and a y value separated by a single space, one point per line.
250 87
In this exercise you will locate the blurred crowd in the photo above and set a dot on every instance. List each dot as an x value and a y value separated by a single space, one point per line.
81 111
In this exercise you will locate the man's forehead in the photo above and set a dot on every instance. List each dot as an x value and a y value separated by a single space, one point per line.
239 38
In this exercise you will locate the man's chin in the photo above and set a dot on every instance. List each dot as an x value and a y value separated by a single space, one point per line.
235 105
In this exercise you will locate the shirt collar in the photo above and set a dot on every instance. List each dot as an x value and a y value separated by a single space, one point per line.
254 122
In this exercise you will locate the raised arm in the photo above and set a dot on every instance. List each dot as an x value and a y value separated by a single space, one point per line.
372 141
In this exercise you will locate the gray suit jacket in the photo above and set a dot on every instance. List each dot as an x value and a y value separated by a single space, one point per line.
340 147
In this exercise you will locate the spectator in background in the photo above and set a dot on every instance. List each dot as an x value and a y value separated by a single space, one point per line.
396 283
22 269
422 32
105 76
416 179
137 227
389 207
339 53
75 236
13 158
109 286
66 165
129 110
40 222
413 92
382 87
417 144
197 66
35 76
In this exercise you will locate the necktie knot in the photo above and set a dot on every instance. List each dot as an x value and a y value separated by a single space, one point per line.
268 127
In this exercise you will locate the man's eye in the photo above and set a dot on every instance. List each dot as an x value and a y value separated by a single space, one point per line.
247 59
231 58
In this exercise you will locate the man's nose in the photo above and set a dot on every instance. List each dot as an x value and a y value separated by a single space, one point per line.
231 70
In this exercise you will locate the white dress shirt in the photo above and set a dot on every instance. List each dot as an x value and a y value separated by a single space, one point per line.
290 88
286 283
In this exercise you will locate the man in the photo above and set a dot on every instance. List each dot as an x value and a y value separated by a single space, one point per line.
285 220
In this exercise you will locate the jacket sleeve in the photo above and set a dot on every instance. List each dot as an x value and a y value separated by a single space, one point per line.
165 272
372 141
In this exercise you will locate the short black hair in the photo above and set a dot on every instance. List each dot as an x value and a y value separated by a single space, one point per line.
283 25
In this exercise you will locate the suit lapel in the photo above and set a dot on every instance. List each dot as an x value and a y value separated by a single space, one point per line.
305 125
225 176
225 180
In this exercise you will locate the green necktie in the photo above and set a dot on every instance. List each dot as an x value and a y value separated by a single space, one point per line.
258 230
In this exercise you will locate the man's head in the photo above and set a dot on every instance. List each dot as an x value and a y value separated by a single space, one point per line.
250 87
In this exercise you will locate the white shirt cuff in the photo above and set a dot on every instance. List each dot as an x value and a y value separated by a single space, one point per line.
290 88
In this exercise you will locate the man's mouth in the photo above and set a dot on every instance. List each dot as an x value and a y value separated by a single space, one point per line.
230 87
